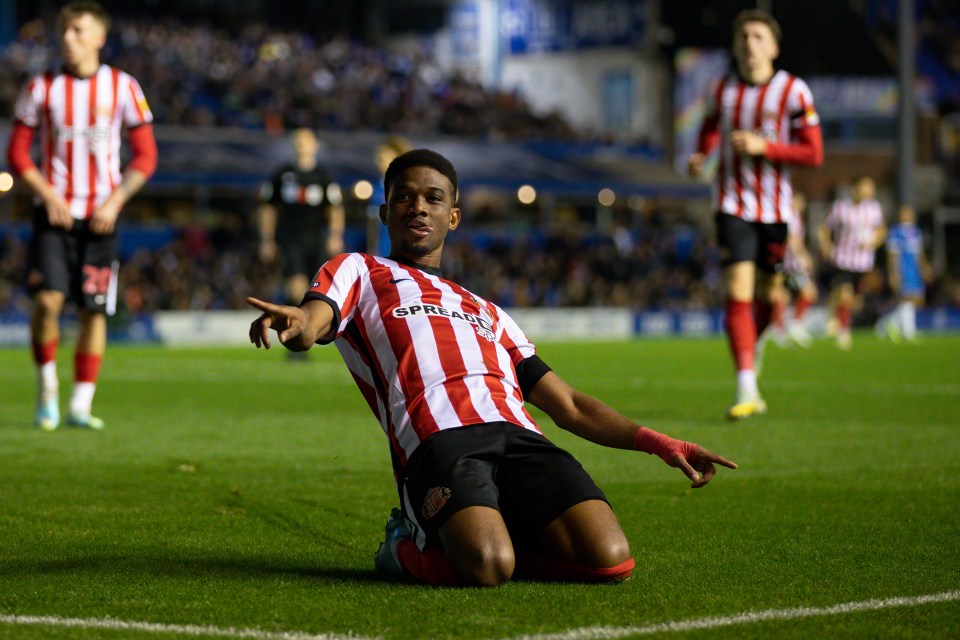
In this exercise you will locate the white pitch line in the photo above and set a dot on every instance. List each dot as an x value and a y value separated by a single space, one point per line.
748 617
171 629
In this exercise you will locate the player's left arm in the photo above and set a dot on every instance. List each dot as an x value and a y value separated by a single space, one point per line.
143 163
597 422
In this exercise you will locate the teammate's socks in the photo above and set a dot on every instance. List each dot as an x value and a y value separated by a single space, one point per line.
45 357
763 313
907 313
844 316
431 567
86 370
779 314
741 333
800 306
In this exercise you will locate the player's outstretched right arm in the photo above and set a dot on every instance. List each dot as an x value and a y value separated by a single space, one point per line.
298 328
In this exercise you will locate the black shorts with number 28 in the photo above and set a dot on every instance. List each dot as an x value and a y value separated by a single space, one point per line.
764 244
77 262
516 471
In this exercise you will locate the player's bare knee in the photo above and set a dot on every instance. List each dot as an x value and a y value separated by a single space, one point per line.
487 566
613 550
48 302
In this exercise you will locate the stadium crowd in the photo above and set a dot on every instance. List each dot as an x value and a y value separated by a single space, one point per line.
655 265
264 78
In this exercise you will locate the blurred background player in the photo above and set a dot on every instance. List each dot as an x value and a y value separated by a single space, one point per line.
79 112
907 270
849 238
764 120
378 241
301 218
798 281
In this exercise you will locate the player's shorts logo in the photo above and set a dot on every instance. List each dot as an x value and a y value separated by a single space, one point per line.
435 499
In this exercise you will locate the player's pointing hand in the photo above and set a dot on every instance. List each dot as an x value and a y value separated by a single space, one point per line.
288 322
700 467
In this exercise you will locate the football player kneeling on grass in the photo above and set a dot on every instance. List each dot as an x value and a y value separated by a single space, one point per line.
484 495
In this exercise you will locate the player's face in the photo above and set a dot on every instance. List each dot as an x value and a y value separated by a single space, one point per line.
305 144
754 47
865 189
907 215
420 210
83 37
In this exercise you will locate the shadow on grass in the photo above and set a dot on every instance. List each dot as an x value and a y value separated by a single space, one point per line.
138 567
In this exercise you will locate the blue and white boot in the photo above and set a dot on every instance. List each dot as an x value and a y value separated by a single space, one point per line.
385 561
47 416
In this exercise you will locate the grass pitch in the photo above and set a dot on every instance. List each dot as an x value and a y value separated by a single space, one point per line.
235 489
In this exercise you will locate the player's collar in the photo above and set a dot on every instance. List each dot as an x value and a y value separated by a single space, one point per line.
410 263
67 71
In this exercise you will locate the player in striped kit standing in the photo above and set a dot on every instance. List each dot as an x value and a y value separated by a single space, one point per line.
762 120
447 374
79 113
798 278
849 238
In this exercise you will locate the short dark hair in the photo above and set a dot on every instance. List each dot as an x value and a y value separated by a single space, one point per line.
73 10
758 15
420 158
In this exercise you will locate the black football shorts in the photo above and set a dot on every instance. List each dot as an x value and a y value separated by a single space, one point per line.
300 257
842 276
518 472
764 244
81 264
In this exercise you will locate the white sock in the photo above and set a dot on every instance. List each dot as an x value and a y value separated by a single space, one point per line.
908 319
82 399
47 381
747 384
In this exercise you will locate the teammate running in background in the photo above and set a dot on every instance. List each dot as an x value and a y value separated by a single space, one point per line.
763 120
849 238
798 279
80 113
447 374
907 271
300 217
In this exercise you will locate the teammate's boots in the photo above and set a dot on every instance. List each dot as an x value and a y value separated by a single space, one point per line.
747 407
759 350
385 561
47 416
85 422
799 335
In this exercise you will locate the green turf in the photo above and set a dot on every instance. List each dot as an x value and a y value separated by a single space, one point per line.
233 488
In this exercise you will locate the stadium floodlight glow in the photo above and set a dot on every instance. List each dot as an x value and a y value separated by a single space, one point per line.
526 194
363 190
6 182
606 197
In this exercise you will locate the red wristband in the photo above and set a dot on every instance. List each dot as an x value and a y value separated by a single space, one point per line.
650 441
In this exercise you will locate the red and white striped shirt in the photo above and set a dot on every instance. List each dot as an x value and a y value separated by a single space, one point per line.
426 353
757 189
80 122
854 227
